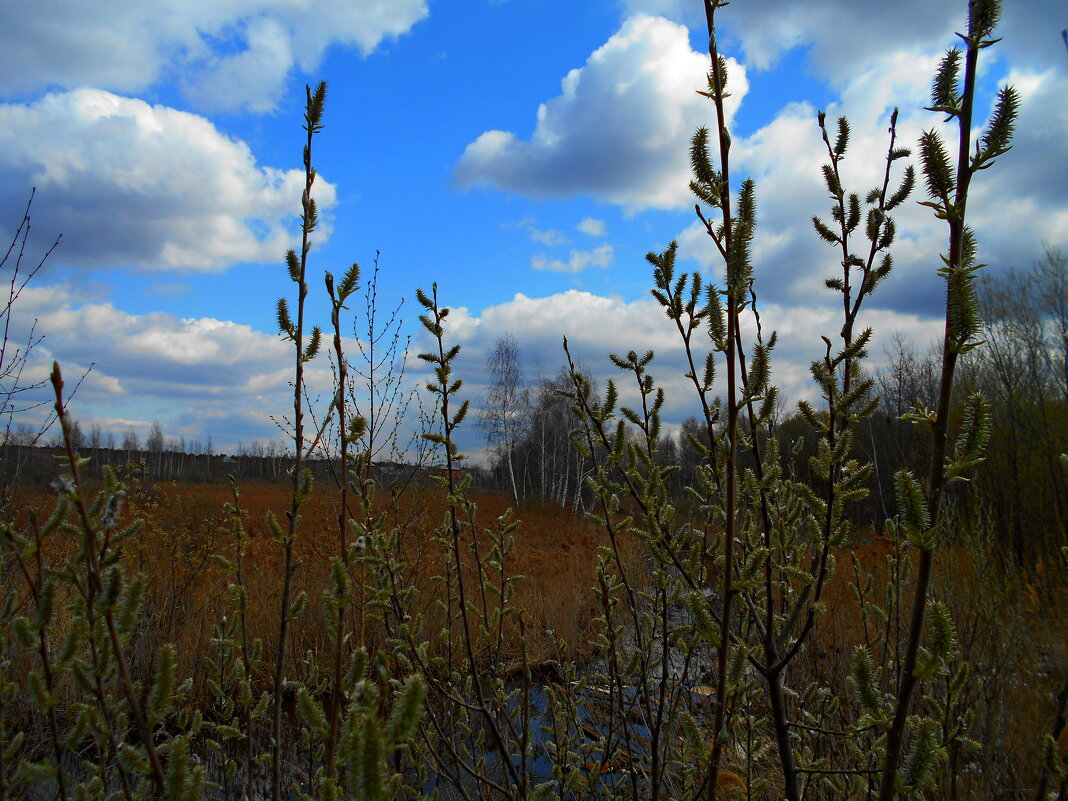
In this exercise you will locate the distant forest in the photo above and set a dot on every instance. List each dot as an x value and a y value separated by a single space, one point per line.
1021 492
24 461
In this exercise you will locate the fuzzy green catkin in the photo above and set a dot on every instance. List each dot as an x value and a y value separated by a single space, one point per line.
941 633
924 757
945 90
161 700
936 167
1002 124
407 711
311 712
911 502
863 680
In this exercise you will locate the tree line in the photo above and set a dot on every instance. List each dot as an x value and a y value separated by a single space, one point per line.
1021 493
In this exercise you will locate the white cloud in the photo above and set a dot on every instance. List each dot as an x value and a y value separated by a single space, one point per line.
552 237
196 375
1023 200
592 227
596 326
204 375
772 27
1015 206
578 260
888 59
619 130
238 52
254 77
202 354
129 183
769 28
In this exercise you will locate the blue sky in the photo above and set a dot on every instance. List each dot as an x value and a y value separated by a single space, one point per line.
524 155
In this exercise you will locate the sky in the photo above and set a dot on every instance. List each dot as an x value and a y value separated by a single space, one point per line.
523 155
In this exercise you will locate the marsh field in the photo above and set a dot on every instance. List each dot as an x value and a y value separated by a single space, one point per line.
1011 630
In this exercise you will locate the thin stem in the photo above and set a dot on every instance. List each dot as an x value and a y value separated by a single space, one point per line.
733 299
97 584
293 514
936 478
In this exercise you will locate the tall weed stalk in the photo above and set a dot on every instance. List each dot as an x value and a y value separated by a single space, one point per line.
301 478
948 184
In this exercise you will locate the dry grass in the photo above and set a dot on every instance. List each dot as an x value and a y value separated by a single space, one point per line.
1011 622
1011 630
184 524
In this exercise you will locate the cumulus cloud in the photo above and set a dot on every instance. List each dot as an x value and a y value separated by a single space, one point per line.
237 52
767 29
254 77
196 374
1015 207
552 237
205 375
771 28
591 227
593 137
596 326
128 183
578 260
887 60
202 354
619 130
1023 201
